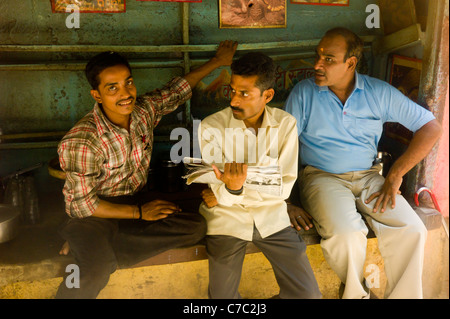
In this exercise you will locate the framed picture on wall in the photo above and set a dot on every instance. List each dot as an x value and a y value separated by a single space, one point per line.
405 76
323 2
110 6
252 14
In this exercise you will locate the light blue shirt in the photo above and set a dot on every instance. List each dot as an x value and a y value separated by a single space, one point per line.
342 138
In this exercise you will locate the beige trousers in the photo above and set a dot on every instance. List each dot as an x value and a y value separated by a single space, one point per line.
336 202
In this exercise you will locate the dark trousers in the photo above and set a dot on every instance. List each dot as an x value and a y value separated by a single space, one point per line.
286 252
100 245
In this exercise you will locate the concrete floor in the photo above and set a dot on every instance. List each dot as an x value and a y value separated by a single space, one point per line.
41 241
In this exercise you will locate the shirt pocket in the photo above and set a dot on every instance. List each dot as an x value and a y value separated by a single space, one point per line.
365 130
116 156
113 176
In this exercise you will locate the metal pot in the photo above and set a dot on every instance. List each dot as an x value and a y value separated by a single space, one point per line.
9 222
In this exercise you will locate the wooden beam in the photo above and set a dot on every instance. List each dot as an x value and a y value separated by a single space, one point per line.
398 40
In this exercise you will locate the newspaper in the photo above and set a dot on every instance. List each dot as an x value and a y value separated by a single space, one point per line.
264 179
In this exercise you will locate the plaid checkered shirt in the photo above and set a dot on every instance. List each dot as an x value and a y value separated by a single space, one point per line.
100 158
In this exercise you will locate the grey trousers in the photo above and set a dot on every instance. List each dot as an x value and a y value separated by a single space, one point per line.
336 202
286 252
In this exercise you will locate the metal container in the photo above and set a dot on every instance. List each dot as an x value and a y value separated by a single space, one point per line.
9 222
385 159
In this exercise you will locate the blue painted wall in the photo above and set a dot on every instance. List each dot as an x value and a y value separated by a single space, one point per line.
40 101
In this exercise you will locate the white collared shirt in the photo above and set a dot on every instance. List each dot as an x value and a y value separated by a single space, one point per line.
235 215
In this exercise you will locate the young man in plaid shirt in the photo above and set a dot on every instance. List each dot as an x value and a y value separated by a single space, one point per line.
106 157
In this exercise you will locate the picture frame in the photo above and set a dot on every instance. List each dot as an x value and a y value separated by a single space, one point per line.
90 6
252 14
342 3
404 75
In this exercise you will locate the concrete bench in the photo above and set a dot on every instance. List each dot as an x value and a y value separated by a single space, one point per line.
430 217
42 245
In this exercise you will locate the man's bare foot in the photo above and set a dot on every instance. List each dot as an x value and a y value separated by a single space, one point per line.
65 249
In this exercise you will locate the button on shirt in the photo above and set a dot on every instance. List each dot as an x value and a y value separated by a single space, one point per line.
235 215
341 138
100 158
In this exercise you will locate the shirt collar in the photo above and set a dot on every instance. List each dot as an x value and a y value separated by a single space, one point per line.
103 124
268 120
359 81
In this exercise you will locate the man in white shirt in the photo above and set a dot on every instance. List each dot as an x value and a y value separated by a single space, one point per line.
250 133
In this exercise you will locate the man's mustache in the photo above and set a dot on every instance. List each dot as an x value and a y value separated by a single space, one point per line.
236 108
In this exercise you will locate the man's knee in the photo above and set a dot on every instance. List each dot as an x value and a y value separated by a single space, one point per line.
346 231
200 233
196 230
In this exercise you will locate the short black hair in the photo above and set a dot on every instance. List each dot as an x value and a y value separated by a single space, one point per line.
100 62
355 45
256 63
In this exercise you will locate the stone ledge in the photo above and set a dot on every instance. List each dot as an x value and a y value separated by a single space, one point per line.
55 266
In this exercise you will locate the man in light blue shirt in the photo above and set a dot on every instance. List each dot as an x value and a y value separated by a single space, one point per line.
340 116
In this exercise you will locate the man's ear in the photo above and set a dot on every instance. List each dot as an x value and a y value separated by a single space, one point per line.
96 95
352 62
269 94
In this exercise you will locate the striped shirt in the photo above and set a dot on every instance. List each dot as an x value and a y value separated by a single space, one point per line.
100 158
